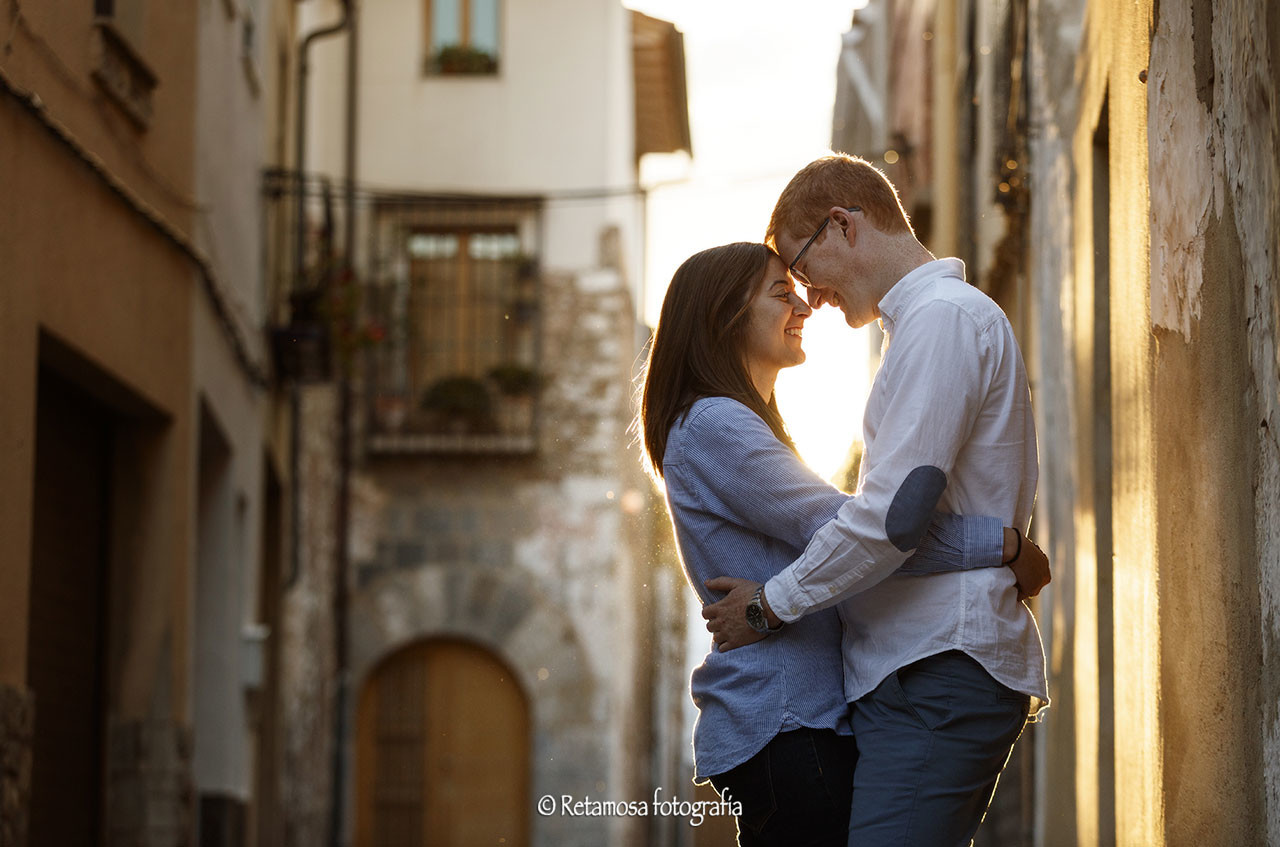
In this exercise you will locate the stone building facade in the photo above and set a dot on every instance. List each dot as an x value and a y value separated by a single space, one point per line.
557 562
516 616
1108 172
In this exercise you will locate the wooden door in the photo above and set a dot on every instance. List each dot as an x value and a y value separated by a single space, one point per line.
442 751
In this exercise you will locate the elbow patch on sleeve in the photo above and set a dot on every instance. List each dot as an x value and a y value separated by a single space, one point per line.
911 511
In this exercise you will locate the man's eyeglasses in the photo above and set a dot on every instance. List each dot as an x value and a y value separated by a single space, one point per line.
795 272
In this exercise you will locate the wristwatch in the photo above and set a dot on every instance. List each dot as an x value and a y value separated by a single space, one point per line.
756 618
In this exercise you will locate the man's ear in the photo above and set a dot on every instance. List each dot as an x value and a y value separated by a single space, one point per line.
844 220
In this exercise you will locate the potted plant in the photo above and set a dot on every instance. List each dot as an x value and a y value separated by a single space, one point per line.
524 304
459 404
462 59
516 385
390 411
526 266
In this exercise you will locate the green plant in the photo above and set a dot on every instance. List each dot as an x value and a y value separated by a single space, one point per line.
462 398
526 266
342 296
515 380
463 59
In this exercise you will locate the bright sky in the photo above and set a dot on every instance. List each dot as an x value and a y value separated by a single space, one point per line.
761 80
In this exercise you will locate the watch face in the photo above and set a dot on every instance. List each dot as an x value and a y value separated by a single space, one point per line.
755 616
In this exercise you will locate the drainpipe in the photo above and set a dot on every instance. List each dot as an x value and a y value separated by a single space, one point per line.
295 398
299 269
337 804
300 139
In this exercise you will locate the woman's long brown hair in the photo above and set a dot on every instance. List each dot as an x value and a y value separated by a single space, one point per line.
697 349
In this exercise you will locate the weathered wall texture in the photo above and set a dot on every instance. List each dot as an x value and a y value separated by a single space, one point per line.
16 728
1186 179
1064 812
151 794
308 663
1213 149
1180 98
1246 106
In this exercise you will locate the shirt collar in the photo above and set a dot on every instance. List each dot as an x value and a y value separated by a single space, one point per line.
906 289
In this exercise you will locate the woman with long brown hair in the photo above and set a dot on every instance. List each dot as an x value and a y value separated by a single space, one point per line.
772 730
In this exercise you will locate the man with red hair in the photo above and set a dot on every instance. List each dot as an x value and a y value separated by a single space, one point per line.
941 671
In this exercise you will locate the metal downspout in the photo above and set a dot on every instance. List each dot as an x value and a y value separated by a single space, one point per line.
345 410
295 397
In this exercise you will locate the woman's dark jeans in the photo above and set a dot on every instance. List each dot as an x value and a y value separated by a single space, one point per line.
795 792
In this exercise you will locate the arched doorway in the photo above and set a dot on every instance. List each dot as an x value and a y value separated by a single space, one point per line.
442 750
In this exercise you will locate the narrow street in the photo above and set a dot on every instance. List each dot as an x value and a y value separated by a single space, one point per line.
322 491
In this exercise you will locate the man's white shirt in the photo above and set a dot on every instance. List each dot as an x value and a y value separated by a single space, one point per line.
950 410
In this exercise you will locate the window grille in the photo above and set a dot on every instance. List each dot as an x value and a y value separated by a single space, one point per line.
440 314
455 284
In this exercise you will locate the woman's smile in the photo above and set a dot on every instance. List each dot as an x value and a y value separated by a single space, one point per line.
775 308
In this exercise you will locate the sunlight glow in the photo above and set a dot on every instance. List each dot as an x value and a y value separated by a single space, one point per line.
761 79
822 401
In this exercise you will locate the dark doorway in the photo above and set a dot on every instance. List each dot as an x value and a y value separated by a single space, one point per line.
67 622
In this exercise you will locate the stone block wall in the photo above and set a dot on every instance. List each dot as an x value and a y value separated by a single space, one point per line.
150 796
307 656
16 736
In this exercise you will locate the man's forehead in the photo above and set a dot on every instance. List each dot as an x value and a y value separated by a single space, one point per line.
787 247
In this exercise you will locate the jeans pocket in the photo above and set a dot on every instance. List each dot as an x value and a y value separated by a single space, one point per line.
834 758
1005 694
751 784
1014 701
927 689
897 697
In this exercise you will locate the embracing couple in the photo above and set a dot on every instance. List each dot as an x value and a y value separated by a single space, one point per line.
887 661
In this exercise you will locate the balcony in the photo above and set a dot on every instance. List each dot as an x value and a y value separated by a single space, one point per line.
458 294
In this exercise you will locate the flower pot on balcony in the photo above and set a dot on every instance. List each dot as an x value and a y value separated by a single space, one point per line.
517 387
515 414
462 59
390 411
459 405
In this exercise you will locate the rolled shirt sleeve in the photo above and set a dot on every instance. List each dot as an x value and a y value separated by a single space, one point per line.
958 543
942 370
